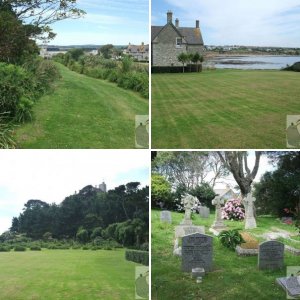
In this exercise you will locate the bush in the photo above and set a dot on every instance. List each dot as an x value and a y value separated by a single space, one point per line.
4 249
6 133
140 257
82 235
233 210
35 248
86 248
14 84
19 248
97 232
230 238
145 247
295 67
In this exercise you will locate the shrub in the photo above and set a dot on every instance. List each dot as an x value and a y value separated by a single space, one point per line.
97 232
4 249
230 238
14 84
145 247
19 248
233 210
140 257
82 235
35 248
6 133
85 248
107 248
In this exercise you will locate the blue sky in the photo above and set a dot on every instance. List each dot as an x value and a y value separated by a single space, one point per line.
240 22
51 175
115 22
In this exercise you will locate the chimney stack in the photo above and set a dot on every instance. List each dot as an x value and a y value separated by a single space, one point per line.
177 22
169 17
197 23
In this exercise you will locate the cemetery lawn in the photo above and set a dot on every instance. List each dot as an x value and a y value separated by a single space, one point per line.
66 274
83 112
223 109
233 277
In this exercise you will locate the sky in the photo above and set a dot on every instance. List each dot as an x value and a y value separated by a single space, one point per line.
236 22
116 22
51 175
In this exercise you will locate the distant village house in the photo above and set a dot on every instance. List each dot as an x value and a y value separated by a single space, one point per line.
139 53
168 41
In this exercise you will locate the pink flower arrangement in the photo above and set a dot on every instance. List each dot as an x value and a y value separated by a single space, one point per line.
233 210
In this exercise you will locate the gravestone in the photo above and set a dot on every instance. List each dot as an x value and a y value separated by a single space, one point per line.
188 203
250 221
204 212
182 230
218 224
270 255
291 285
165 216
197 252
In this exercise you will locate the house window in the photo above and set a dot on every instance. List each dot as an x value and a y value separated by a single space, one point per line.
178 42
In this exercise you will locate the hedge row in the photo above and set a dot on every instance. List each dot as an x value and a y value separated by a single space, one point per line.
140 257
176 69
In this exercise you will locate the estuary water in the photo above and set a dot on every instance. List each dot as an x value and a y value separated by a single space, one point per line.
254 62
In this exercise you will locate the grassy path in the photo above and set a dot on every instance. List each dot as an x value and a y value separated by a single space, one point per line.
232 278
83 112
223 109
66 274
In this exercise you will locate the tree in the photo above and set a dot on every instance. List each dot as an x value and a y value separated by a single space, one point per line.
204 194
196 58
160 190
82 235
183 58
237 163
278 192
42 13
106 51
15 38
189 169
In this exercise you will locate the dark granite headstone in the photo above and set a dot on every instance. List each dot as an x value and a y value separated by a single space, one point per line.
270 255
197 252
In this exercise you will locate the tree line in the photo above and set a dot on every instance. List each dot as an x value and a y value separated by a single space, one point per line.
120 215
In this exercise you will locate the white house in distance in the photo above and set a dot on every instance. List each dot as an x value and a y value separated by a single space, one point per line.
138 52
226 193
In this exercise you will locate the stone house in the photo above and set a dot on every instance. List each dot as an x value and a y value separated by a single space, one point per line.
168 41
226 193
138 52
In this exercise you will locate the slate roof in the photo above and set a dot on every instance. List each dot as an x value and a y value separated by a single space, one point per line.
192 35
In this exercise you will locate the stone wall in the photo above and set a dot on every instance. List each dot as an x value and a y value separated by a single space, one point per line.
164 50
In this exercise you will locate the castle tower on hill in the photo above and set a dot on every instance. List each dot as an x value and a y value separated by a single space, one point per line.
102 187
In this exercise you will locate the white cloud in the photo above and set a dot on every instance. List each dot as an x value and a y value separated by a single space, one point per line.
252 22
51 175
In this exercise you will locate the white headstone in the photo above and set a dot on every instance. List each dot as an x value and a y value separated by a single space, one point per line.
188 203
250 221
165 216
218 223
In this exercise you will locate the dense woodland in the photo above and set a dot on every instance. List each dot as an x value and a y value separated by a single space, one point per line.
91 217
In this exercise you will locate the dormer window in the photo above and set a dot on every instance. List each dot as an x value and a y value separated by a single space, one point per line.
178 42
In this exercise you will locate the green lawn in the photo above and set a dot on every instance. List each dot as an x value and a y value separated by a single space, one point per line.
233 277
66 274
223 109
83 112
